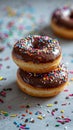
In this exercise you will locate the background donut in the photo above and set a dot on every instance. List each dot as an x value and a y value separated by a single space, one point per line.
62 22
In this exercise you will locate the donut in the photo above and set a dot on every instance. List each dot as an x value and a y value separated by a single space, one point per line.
62 22
37 54
43 85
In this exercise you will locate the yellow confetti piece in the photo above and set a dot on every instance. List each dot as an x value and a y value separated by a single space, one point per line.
49 105
62 111
4 112
13 115
40 117
1 78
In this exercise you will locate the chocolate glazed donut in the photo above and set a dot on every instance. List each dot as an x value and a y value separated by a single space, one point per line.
62 22
46 80
37 52
38 49
45 84
64 17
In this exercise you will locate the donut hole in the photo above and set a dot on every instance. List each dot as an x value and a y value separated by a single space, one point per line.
38 44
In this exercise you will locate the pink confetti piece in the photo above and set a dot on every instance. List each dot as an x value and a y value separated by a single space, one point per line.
7 58
67 119
66 90
70 94
71 72
2 93
52 113
60 121
64 104
22 127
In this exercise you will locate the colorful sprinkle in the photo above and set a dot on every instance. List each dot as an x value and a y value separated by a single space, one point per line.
49 105
62 111
40 117
13 115
1 78
57 125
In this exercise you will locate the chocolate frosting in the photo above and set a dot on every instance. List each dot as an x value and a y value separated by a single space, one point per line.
52 79
38 49
63 17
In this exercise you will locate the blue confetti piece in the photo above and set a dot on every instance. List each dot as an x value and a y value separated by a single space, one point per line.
15 122
36 113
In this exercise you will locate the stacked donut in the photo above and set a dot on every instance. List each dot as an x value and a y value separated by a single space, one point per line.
40 71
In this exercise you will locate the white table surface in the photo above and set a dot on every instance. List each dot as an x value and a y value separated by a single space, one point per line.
31 15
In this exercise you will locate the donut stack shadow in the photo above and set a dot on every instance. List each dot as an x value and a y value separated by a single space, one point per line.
41 72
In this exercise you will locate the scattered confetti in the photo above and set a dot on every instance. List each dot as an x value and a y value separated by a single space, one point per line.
64 120
3 93
16 23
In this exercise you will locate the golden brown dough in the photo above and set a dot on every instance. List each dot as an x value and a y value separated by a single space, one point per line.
61 31
37 68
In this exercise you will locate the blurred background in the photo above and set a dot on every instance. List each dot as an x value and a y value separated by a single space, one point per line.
18 18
